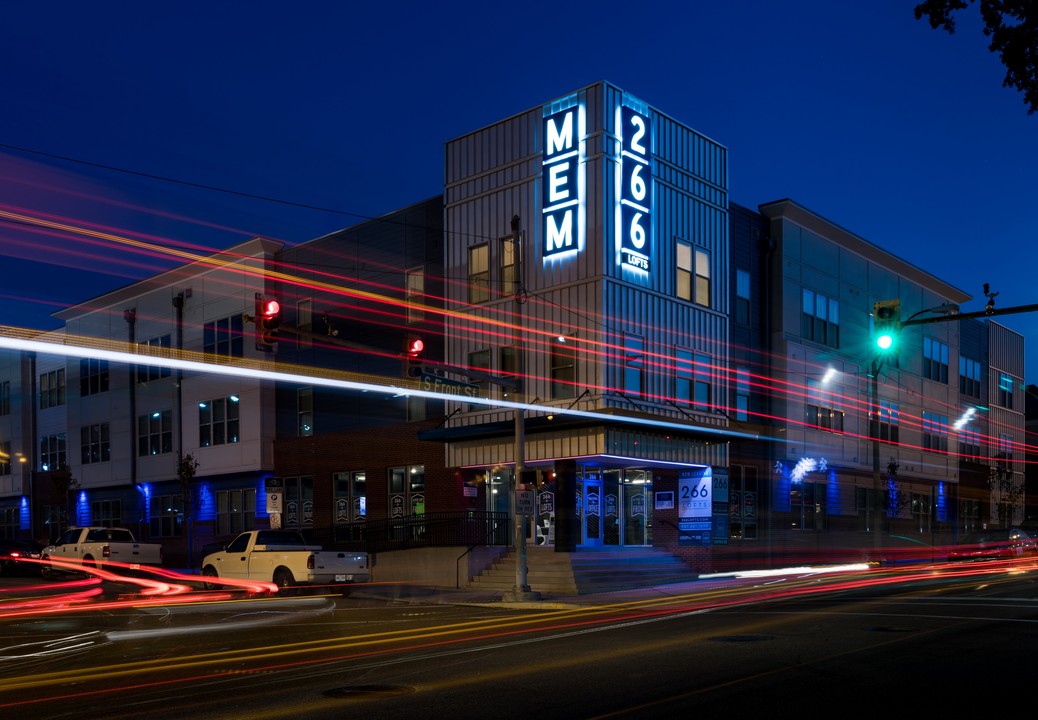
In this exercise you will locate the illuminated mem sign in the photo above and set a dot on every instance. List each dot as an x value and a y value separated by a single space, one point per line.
562 176
634 176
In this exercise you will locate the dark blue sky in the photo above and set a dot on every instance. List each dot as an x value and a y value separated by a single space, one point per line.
899 133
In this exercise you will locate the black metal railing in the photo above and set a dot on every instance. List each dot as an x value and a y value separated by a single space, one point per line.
459 528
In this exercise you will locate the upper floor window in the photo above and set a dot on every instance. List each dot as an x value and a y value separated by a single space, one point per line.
480 360
935 431
414 294
52 452
93 376
819 410
935 360
1005 390
95 444
702 390
305 322
693 268
224 337
820 319
509 267
1005 446
563 370
5 458
147 373
634 362
742 394
742 297
969 377
155 433
683 376
218 421
52 389
479 273
305 411
887 429
5 398
969 442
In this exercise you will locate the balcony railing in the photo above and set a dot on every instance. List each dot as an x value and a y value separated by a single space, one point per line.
459 528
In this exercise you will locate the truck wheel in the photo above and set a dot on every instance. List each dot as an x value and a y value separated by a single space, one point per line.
209 571
283 579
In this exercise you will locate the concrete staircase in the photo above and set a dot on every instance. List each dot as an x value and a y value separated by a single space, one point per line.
586 571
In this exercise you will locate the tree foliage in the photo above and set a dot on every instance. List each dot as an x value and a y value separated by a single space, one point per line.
1012 26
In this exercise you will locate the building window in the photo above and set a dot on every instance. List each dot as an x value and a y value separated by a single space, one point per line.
969 377
5 458
1005 390
969 442
155 433
807 506
742 297
742 394
818 408
351 497
5 398
480 360
106 513
935 431
52 389
479 273
702 390
167 516
1005 447
693 268
683 376
563 371
820 319
95 444
407 491
634 362
305 323
305 411
93 376
147 373
969 515
9 522
921 512
416 408
742 503
508 362
52 452
299 502
224 338
935 360
218 421
235 511
887 429
509 267
414 295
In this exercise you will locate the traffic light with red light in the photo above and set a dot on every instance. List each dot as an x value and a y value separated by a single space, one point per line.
267 318
414 346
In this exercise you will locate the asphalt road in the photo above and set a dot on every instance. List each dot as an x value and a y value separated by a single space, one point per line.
955 641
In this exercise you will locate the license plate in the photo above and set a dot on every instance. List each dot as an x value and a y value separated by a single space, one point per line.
343 578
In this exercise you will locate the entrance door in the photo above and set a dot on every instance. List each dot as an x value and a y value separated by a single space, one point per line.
589 508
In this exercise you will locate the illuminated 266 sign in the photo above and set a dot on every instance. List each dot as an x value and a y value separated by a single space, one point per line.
562 181
634 215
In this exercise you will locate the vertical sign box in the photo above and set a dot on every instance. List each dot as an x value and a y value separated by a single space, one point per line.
695 506
634 230
562 183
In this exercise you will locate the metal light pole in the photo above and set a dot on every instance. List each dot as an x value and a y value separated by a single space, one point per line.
521 590
877 484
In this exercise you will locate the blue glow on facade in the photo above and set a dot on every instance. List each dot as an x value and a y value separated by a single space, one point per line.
206 503
82 509
562 179
942 502
634 190
23 513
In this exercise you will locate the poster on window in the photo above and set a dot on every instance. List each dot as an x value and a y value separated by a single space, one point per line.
695 506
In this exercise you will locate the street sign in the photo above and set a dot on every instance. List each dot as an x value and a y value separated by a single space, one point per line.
524 502
446 386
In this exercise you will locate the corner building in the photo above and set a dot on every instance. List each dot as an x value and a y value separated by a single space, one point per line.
607 298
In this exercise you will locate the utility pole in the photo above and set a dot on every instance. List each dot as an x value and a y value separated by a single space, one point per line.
521 590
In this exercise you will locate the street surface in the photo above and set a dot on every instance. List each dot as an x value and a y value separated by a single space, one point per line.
951 638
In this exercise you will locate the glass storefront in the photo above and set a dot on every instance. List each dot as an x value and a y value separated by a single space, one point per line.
613 505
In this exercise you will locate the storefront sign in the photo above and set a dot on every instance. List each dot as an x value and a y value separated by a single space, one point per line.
695 506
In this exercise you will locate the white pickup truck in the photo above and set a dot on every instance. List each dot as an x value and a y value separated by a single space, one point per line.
98 547
283 558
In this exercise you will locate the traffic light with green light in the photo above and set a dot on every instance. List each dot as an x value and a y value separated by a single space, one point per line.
887 323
